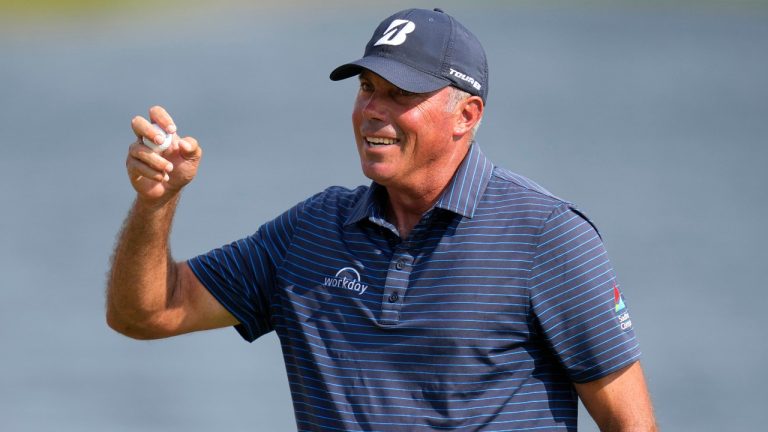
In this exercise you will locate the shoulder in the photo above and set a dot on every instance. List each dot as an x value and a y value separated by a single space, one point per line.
508 191
334 200
512 190
332 206
338 196
508 182
325 210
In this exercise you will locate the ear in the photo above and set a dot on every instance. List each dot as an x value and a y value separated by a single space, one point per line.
469 112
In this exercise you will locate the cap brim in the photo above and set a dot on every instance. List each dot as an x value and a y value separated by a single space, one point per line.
399 74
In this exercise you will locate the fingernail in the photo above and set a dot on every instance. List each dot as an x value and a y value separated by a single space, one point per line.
184 145
169 168
166 178
159 139
172 128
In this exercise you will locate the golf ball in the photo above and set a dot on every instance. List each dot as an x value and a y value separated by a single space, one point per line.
167 140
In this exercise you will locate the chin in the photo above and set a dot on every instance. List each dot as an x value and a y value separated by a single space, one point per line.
376 172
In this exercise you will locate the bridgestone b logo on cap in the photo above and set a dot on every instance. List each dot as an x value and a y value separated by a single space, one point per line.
396 33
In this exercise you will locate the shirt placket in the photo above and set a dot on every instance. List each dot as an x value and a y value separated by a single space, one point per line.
396 285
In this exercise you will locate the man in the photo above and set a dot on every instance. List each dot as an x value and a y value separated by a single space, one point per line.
450 294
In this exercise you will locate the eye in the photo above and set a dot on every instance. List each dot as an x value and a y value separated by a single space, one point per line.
365 86
405 93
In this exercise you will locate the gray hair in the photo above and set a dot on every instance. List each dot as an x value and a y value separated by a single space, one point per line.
457 95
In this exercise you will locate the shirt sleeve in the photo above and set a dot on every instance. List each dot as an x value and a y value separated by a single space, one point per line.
241 275
575 299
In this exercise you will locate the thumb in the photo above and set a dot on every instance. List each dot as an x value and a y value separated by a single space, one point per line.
189 148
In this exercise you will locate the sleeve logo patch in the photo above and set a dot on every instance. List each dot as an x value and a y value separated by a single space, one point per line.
620 309
617 300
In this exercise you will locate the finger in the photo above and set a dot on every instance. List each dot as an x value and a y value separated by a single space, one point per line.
148 187
175 138
144 129
149 157
160 116
190 148
138 170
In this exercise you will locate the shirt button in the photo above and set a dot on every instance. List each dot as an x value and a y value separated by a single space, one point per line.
399 264
393 297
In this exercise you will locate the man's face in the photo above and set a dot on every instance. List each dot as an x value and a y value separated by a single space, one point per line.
402 137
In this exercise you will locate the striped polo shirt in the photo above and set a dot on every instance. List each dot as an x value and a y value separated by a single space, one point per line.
501 297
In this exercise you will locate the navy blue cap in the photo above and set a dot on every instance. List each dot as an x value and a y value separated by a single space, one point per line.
421 51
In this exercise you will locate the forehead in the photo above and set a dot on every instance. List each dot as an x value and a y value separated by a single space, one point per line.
378 80
365 74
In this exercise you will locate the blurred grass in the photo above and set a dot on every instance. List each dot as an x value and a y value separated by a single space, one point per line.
53 9
68 7
29 17
64 6
18 15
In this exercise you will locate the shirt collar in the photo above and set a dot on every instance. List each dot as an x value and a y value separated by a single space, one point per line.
468 184
369 206
461 196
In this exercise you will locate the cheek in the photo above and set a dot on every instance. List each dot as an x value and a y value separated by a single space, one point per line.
428 129
356 113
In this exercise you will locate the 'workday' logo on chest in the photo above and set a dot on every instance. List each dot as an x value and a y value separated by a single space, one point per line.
347 278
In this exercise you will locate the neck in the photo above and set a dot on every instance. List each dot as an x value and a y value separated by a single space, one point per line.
405 210
407 205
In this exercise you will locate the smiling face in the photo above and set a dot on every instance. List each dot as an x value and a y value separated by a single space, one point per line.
405 140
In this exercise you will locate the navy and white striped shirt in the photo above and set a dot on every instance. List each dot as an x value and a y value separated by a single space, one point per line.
499 299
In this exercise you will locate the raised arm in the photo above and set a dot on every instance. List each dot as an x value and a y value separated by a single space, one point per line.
149 295
619 402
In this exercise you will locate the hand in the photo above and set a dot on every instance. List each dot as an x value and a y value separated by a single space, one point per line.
157 177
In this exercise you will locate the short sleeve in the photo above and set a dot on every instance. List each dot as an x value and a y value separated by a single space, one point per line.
576 300
241 275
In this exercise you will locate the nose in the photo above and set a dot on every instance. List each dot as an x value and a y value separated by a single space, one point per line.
373 106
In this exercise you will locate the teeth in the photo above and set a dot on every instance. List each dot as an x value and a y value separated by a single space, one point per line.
380 141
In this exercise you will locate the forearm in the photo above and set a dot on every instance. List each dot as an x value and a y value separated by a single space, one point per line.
142 279
638 424
639 419
620 402
149 295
